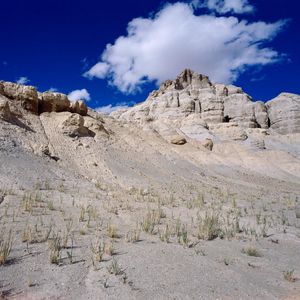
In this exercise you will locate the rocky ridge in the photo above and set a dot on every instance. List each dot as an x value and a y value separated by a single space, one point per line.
192 107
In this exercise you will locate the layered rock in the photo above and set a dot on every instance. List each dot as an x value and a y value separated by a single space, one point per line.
284 113
27 95
195 108
55 102
38 103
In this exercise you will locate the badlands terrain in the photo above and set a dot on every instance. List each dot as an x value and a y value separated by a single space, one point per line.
192 194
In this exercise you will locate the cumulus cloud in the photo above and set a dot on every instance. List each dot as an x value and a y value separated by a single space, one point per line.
23 80
225 6
161 46
107 109
79 95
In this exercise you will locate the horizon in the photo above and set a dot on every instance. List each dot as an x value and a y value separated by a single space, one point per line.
58 46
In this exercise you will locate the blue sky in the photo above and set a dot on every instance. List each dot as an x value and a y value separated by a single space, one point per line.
54 43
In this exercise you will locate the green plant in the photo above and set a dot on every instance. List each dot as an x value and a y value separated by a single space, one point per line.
182 236
98 250
50 205
114 268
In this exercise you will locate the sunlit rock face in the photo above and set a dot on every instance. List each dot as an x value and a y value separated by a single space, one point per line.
193 106
284 113
32 101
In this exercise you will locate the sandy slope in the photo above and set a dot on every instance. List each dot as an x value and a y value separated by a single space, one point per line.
120 178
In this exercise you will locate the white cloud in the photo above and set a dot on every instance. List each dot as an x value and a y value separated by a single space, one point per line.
160 47
53 89
23 80
79 95
99 70
107 109
225 6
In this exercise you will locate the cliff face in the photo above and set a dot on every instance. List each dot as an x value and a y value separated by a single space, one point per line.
192 106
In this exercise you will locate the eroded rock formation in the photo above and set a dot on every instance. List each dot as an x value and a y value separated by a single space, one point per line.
38 103
193 107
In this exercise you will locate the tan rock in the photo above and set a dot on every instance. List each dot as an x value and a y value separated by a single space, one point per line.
27 95
53 102
208 144
192 94
178 140
94 125
79 107
284 113
5 113
73 125
229 131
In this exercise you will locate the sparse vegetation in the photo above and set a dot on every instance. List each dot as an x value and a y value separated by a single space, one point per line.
50 205
112 231
251 251
114 268
5 247
208 227
133 236
98 250
289 275
55 249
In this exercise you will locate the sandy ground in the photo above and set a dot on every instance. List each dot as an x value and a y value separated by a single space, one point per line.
137 218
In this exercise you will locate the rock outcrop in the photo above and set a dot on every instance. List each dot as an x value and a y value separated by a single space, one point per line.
284 113
38 103
195 108
27 95
5 113
73 125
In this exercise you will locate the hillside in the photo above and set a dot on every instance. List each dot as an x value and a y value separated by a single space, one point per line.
191 194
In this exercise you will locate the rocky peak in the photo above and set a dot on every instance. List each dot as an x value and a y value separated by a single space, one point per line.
193 107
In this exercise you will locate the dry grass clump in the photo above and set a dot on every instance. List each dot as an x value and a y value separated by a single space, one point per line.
112 230
33 235
251 251
289 275
133 236
197 202
98 250
55 246
208 227
165 234
182 235
82 214
152 218
5 248
114 268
